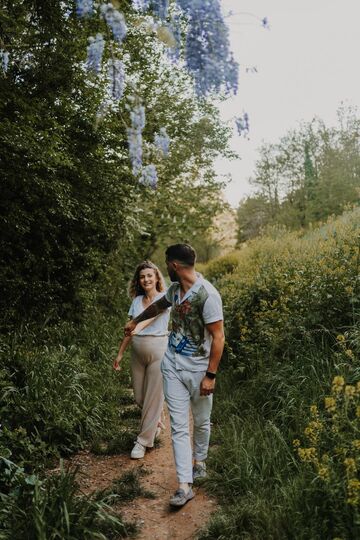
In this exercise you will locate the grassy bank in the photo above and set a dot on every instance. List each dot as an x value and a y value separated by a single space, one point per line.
59 393
286 448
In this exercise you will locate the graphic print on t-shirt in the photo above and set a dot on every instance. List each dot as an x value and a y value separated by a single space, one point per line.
188 327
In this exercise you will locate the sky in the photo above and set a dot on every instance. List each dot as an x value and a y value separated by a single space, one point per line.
307 65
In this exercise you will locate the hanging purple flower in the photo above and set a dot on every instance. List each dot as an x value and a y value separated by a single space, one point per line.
135 150
160 8
141 5
149 176
175 29
207 52
162 141
116 77
265 23
4 60
95 51
134 134
138 118
232 75
242 125
84 7
115 20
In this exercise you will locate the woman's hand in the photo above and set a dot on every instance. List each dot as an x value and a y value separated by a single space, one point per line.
129 327
116 364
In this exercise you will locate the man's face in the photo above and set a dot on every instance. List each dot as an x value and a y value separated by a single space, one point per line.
170 265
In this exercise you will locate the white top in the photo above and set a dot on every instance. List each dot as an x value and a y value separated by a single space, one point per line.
190 341
159 326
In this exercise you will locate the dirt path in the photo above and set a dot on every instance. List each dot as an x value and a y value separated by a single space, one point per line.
154 517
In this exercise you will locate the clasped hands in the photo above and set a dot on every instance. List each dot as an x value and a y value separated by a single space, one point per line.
129 328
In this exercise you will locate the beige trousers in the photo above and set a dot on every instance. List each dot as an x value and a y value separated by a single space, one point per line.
146 355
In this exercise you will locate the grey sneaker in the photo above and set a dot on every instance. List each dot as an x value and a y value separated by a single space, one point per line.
180 497
199 471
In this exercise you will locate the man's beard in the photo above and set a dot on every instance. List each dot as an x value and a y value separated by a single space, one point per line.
173 275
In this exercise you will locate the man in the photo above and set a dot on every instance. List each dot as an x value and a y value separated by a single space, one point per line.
189 366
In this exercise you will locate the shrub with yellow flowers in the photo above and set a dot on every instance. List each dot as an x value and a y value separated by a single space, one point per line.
282 291
331 443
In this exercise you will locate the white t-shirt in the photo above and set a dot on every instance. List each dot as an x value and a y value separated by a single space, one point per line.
159 326
189 340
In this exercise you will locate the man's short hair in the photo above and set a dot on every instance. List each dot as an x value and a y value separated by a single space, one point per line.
183 253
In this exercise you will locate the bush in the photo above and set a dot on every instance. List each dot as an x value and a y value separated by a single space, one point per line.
52 508
291 307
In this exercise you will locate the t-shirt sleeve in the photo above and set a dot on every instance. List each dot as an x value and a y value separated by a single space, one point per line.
131 311
212 310
169 295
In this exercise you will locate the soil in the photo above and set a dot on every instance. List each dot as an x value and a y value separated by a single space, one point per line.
156 520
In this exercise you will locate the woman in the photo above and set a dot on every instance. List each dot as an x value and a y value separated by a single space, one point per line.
149 342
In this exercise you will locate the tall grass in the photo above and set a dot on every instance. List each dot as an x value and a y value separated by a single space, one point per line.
59 393
292 305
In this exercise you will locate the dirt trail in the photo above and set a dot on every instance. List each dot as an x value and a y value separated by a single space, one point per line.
154 517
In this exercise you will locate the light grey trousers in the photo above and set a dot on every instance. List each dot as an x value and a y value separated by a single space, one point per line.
146 355
182 390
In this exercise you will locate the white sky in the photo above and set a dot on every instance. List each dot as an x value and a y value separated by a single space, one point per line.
308 63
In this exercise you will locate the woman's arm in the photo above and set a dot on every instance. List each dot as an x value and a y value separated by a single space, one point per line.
125 342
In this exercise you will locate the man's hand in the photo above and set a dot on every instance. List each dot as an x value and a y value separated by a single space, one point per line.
129 327
207 386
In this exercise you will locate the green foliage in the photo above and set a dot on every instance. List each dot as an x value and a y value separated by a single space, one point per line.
313 172
74 221
52 508
292 317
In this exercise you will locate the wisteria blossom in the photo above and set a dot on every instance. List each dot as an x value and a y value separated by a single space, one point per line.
175 28
116 78
115 20
207 52
84 7
162 141
137 116
149 176
134 133
160 8
242 125
4 59
265 23
141 5
95 52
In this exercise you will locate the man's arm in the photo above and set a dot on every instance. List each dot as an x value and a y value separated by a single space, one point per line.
149 313
216 330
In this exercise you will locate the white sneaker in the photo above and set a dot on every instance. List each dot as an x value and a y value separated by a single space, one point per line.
138 451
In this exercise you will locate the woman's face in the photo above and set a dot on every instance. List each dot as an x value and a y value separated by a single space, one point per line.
147 279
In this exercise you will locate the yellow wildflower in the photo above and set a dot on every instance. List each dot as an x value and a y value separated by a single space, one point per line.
314 410
353 489
323 472
337 384
307 454
296 443
349 391
312 430
340 337
349 353
350 465
358 411
356 444
330 404
358 387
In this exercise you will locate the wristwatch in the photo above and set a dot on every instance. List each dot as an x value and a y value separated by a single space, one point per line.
210 375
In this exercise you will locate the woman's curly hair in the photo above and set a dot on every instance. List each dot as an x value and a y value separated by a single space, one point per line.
135 289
